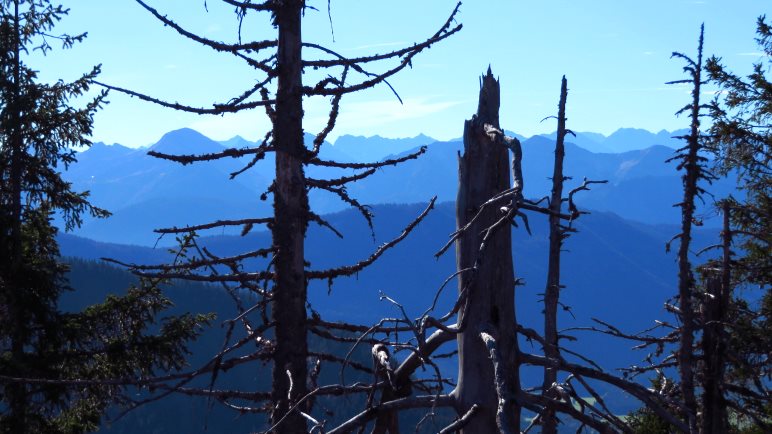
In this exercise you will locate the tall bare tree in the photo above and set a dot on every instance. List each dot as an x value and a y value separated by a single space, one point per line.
695 170
552 291
282 288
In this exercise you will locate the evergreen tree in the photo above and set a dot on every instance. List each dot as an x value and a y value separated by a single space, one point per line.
59 372
742 142
734 335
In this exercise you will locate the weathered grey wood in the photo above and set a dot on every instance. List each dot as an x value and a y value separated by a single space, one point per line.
552 291
490 286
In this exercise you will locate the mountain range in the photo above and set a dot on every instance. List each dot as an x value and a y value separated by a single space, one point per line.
623 140
145 193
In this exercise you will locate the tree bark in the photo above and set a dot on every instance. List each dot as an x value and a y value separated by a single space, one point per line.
715 418
686 360
552 291
290 223
490 287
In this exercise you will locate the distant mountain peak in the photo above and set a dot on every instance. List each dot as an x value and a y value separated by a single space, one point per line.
344 138
182 133
628 139
374 148
235 139
103 145
630 130
186 141
103 150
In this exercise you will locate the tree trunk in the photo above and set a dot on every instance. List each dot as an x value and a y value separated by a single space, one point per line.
289 226
552 291
714 417
17 393
490 286
686 360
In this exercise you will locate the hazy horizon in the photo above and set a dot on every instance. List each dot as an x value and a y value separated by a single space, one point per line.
332 139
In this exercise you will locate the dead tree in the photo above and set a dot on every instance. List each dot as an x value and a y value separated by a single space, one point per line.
679 347
693 164
552 290
691 161
489 396
282 286
487 343
698 345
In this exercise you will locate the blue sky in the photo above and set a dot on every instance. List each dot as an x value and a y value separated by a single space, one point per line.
615 54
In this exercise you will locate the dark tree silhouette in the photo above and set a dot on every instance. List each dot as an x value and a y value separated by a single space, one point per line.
740 138
695 170
716 278
58 371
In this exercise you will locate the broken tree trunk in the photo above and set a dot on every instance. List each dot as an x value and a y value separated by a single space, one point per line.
487 346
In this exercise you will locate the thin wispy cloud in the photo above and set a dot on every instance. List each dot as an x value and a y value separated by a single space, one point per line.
385 111
431 65
380 45
753 54
669 88
366 117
